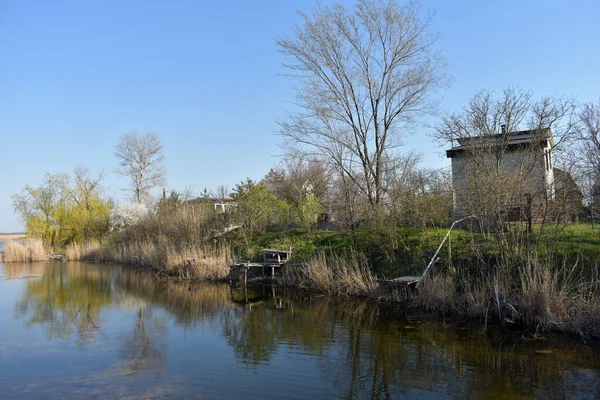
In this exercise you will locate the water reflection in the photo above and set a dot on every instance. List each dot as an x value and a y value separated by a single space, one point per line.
63 301
145 348
344 348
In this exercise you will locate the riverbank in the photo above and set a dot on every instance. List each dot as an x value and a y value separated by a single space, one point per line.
559 293
191 262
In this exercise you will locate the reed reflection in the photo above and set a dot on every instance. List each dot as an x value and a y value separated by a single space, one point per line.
363 349
373 351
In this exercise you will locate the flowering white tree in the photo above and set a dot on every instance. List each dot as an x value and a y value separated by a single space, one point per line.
125 215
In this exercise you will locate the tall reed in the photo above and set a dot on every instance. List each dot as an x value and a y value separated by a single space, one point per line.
193 262
24 251
542 296
347 274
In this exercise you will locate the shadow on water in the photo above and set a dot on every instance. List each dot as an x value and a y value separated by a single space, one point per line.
362 349
379 352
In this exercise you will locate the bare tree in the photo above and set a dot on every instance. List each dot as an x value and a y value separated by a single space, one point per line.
589 154
296 178
222 192
503 164
589 134
141 159
87 185
366 74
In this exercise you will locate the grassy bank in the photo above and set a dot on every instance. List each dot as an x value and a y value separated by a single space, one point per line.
539 297
549 281
407 250
551 284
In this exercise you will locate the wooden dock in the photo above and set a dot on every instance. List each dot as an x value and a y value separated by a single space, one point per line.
272 258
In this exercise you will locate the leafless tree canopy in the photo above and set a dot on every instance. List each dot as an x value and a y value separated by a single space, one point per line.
589 135
493 181
87 185
141 159
365 75
486 115
296 178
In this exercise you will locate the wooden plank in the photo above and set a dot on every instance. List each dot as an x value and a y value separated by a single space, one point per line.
257 265
276 251
407 279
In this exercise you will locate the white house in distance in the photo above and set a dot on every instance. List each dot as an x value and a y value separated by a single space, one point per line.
524 157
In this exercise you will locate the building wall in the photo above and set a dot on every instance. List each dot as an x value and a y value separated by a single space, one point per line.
532 167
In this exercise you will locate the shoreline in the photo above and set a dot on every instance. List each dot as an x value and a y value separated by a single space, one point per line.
380 295
546 302
12 236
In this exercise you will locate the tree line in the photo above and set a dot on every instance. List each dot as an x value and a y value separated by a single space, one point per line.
74 208
365 77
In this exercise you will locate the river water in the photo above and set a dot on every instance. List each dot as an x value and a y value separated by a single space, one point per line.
94 331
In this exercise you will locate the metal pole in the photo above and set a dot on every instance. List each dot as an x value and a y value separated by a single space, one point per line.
434 258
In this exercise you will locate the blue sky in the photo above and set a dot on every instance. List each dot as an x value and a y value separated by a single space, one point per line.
76 75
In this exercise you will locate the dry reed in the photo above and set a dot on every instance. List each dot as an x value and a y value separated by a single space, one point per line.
4 237
194 262
176 241
348 274
543 297
24 251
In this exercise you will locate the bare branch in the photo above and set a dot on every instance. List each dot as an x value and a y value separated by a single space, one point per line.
141 159
366 74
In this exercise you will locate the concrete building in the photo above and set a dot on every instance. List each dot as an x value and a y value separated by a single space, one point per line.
509 172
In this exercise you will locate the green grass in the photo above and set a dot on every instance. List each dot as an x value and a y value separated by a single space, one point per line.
303 243
578 239
395 251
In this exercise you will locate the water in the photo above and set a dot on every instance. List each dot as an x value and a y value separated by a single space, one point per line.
73 330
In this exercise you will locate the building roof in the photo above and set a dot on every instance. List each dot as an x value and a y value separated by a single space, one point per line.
512 140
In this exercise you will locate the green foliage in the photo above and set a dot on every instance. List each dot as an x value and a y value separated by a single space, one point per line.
573 240
256 208
303 243
60 212
308 212
284 215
